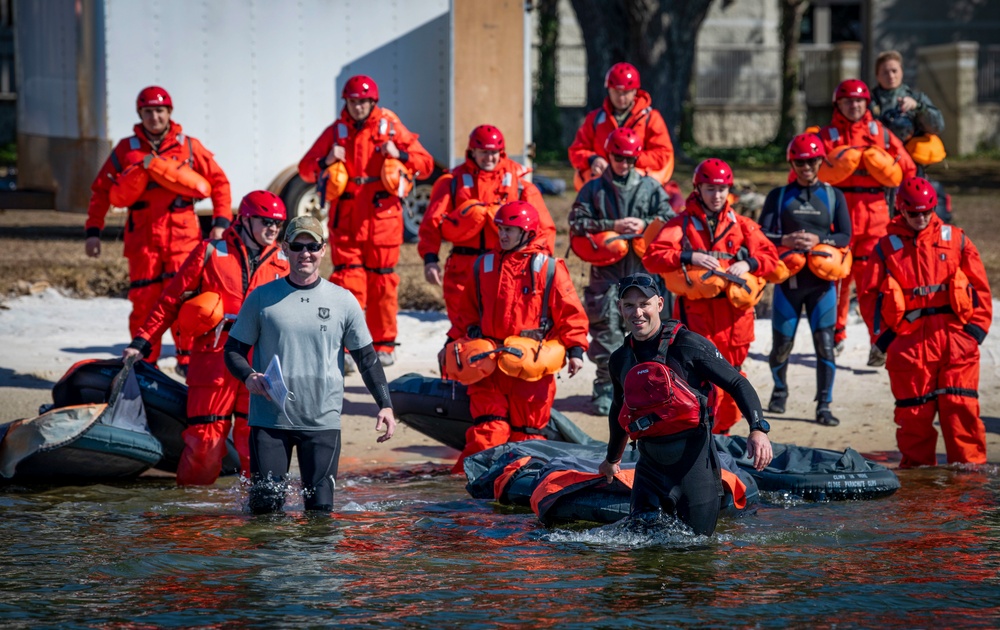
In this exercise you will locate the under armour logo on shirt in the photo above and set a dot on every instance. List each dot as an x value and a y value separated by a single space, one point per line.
304 299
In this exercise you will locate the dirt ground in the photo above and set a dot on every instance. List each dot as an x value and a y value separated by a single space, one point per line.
42 249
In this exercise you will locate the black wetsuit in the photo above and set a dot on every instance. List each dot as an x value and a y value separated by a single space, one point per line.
821 210
679 471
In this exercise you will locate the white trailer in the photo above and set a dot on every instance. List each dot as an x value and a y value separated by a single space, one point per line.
258 80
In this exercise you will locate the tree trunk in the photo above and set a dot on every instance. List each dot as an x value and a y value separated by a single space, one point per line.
657 36
790 30
547 126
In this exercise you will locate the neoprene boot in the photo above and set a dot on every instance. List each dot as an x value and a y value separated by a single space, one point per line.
600 400
778 398
824 416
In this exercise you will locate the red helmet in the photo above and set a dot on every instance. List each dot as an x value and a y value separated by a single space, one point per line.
916 195
713 171
518 214
153 96
852 88
261 203
623 141
806 146
486 137
622 76
361 86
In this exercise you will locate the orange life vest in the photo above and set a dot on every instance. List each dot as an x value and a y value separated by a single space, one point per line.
469 361
830 263
883 168
129 186
693 283
178 176
200 314
530 359
747 293
397 179
603 248
926 150
333 181
461 223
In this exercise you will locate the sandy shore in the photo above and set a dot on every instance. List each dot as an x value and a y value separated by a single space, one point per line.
42 335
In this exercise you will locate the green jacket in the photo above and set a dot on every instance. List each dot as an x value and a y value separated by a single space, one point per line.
927 118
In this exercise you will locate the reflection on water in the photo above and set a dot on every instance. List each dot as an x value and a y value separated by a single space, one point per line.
408 549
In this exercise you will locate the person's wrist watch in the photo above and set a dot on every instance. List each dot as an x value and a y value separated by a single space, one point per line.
761 425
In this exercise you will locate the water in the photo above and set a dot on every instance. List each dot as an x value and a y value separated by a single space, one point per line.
412 550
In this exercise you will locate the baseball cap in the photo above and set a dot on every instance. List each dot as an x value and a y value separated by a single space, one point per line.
304 224
642 281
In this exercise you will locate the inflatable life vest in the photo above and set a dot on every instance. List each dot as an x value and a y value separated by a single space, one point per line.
790 262
694 283
602 248
746 294
396 178
333 182
639 245
840 164
129 186
465 221
926 150
201 314
883 168
656 401
469 361
830 263
178 176
530 359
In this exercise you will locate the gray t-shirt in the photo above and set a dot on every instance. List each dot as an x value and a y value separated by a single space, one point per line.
307 329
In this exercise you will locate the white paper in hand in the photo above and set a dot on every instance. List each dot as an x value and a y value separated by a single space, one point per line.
275 385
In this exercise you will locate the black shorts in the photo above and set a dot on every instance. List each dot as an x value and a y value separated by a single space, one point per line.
271 455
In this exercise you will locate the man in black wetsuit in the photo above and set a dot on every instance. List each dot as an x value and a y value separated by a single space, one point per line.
798 217
680 471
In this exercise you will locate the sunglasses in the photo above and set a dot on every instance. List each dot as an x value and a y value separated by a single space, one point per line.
270 222
622 158
911 213
802 163
635 281
309 247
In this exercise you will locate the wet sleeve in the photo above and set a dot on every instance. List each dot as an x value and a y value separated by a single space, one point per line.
373 375
235 354
709 365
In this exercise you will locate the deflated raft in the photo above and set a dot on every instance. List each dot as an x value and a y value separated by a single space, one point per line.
164 399
82 443
440 410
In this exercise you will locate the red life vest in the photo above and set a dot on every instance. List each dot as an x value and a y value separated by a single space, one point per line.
657 402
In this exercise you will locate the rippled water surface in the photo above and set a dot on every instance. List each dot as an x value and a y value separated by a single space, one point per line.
411 549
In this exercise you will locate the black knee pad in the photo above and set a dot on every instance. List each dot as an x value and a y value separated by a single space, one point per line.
781 350
823 340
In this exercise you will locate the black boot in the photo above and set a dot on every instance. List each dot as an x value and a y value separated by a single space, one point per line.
778 398
824 416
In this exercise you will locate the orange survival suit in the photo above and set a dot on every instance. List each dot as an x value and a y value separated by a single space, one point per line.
504 298
366 221
866 199
932 353
657 157
222 266
468 181
735 238
162 227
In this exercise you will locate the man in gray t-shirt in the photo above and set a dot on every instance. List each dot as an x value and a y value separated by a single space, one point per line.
302 322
